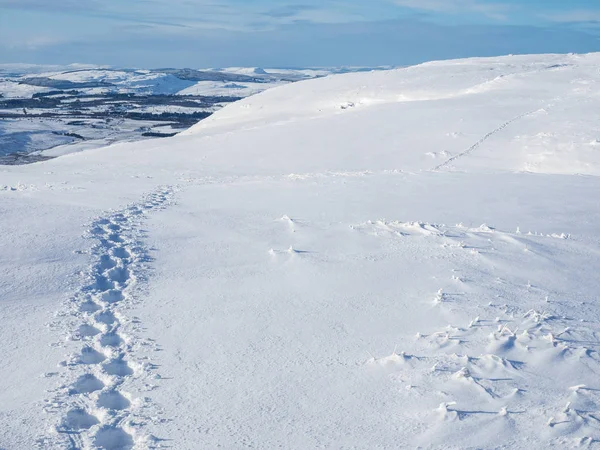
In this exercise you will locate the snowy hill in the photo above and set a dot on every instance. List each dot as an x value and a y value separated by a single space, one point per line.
395 259
47 111
23 81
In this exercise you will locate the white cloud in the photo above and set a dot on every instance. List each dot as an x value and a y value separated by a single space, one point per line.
573 16
202 14
35 42
493 10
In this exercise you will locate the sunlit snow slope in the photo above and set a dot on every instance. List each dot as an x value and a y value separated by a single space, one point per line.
394 259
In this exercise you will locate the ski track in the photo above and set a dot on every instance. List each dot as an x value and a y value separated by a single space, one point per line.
523 355
481 141
92 405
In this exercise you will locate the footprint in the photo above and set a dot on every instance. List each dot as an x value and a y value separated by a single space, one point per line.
121 253
88 331
91 356
97 230
135 211
102 284
105 317
106 263
113 400
111 340
118 367
89 307
115 237
111 438
119 275
112 296
86 383
78 419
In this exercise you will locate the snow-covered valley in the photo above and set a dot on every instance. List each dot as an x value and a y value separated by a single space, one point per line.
393 259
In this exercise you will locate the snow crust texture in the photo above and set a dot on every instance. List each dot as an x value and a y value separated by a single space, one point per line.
497 373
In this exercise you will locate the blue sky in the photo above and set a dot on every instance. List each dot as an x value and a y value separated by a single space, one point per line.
280 33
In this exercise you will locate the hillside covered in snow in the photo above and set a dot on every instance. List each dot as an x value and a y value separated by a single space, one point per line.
394 259
48 111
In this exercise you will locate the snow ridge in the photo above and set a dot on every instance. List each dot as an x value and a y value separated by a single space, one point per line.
93 404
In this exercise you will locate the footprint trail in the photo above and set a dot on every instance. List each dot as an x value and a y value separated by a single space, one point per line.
92 405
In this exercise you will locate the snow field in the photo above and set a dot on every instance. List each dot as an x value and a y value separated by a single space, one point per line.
396 259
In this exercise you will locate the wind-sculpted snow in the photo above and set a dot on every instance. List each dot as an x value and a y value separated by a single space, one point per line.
401 259
514 356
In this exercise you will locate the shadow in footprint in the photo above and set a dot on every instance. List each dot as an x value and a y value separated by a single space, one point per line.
113 400
111 340
111 438
115 238
89 307
112 296
97 230
119 275
91 356
118 367
121 253
106 263
105 317
78 419
101 284
88 331
85 384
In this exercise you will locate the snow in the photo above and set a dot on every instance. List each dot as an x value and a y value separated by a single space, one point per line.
151 82
159 109
80 84
227 89
12 89
14 135
246 70
373 260
138 81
